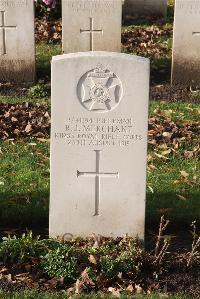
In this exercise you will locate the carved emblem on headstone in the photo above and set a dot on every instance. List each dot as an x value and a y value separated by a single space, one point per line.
99 90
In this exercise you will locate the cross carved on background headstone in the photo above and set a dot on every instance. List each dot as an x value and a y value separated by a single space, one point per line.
91 31
3 27
196 33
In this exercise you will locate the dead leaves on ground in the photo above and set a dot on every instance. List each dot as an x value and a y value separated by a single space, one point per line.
24 120
147 40
167 137
48 31
164 132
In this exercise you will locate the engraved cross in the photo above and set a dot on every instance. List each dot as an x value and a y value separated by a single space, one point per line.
91 31
98 175
196 33
3 27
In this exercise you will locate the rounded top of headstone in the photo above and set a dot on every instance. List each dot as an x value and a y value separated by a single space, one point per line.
100 54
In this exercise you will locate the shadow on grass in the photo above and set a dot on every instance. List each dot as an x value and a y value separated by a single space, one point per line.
24 211
180 210
170 13
180 213
32 210
160 70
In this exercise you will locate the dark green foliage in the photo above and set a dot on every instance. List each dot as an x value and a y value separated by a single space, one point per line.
38 91
68 260
60 263
14 249
124 258
108 266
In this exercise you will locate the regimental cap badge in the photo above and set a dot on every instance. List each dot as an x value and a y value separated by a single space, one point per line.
99 72
99 90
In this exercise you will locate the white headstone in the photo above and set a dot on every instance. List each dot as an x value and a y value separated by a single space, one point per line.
186 43
17 46
98 144
145 7
91 25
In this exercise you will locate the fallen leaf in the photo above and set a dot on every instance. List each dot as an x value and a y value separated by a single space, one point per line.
160 156
92 259
184 174
151 189
138 289
130 288
115 292
167 152
28 128
181 197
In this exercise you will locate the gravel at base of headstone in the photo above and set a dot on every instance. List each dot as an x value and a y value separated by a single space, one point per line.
99 144
17 45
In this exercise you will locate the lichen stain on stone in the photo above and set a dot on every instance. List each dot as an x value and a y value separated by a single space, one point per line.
186 72
17 71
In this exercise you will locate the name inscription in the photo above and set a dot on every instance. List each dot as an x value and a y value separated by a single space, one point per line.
189 7
13 3
81 131
101 6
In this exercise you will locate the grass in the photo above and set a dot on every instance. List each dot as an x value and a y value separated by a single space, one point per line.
24 99
169 192
177 111
172 194
44 55
24 183
24 169
63 295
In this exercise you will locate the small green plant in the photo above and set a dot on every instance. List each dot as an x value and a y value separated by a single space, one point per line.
60 263
109 266
126 259
23 249
38 91
196 95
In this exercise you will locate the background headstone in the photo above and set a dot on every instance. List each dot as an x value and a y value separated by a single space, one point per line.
145 7
17 45
186 43
91 25
98 144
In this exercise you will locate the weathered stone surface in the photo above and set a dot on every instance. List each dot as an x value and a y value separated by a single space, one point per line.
98 144
91 25
17 46
186 44
145 7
